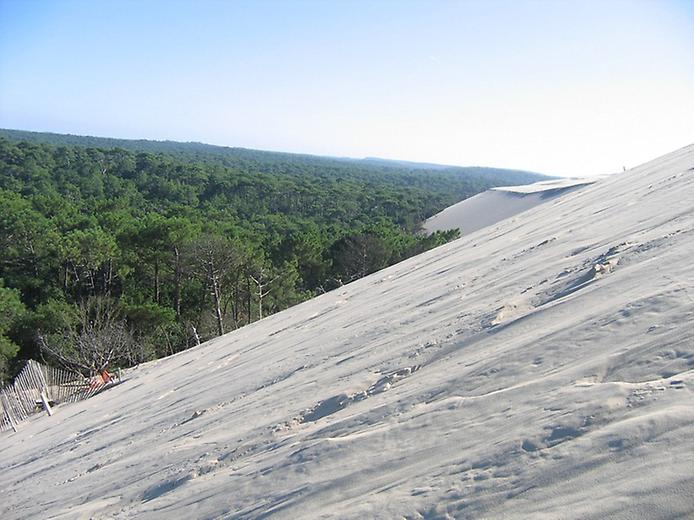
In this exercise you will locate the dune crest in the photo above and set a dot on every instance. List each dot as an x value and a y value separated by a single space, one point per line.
497 204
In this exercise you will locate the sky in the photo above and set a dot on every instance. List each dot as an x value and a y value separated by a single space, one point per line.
573 88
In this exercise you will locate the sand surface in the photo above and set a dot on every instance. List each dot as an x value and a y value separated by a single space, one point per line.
542 368
497 204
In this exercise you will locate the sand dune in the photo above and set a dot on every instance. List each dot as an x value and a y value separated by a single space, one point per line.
498 204
541 369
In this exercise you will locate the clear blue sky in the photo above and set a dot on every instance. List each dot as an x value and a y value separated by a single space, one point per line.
562 87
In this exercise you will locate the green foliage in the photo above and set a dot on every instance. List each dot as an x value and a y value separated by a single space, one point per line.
187 240
11 311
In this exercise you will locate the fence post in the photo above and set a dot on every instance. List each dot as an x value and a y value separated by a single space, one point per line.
44 400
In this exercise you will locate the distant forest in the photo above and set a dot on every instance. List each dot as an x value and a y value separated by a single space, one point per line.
116 252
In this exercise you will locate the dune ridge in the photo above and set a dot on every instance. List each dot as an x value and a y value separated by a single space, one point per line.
497 204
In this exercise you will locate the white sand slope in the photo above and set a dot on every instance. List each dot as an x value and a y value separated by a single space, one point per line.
497 204
543 370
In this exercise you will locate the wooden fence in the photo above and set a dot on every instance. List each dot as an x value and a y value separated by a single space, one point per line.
39 387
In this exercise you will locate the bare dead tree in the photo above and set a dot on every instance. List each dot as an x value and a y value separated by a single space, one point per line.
213 259
262 283
100 338
104 166
195 334
178 277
